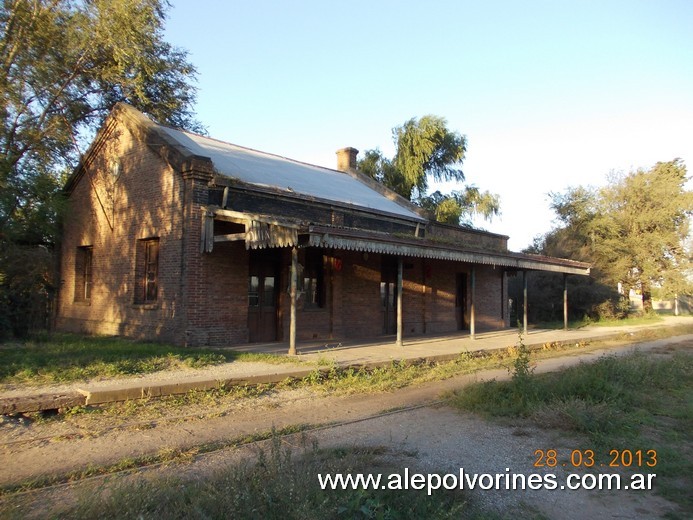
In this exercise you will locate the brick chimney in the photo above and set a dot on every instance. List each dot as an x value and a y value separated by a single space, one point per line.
346 159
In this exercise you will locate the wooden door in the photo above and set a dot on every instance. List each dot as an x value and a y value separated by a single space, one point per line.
263 298
461 301
388 296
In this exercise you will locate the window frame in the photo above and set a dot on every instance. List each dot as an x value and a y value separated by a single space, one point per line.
314 297
84 274
147 271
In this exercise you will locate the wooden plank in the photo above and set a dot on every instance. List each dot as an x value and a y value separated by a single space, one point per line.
231 237
244 218
39 402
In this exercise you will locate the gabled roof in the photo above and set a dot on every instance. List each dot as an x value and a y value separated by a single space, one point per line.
260 169
273 171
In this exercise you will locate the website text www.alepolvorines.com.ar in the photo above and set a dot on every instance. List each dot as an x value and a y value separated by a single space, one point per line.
484 481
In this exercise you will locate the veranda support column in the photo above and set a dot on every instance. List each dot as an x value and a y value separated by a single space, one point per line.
399 302
472 310
292 296
565 301
524 305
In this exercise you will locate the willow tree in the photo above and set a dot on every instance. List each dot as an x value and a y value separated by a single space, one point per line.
65 63
427 150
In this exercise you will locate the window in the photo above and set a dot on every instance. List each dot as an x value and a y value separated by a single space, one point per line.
147 271
313 280
268 294
83 274
253 291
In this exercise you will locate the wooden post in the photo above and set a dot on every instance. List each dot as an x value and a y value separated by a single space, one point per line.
524 305
399 302
472 310
676 304
292 296
565 301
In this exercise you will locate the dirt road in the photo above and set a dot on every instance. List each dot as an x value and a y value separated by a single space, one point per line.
441 439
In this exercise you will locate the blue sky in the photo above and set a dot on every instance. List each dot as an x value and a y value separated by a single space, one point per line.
550 94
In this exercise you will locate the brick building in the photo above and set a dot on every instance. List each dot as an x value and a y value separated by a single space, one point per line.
181 238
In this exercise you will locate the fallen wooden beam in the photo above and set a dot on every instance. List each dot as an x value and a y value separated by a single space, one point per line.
40 402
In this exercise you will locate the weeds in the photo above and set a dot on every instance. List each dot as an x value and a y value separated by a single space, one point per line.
634 402
281 482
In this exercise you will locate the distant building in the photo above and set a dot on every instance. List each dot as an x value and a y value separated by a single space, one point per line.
177 237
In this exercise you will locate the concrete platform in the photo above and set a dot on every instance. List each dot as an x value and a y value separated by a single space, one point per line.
311 356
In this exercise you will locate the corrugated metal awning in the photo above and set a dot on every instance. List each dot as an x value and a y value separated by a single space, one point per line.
263 231
408 248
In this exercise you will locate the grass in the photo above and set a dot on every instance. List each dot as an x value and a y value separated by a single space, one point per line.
328 378
278 484
636 402
635 319
399 374
63 358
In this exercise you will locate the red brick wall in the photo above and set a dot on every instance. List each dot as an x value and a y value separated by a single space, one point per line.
111 215
491 292
221 316
440 295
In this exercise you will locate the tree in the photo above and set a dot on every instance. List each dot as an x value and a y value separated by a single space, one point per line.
459 207
633 231
639 231
427 149
65 63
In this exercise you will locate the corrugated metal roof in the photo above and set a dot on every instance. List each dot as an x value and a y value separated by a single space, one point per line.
273 171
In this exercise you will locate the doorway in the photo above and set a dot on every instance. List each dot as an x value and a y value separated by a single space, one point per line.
263 296
461 301
388 294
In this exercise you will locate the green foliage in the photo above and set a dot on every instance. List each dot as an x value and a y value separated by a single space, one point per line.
458 207
638 402
633 231
605 399
522 369
26 288
64 66
382 169
589 298
427 149
639 231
